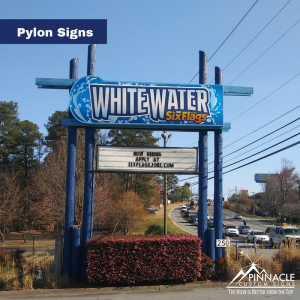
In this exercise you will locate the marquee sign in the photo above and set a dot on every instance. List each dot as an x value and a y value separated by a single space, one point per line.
93 101
147 160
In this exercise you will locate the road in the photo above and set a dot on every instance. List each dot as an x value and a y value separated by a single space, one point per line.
228 219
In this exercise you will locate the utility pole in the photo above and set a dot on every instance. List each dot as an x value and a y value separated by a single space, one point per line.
299 188
164 136
253 203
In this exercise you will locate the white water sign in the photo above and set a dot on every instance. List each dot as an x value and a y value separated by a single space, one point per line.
147 160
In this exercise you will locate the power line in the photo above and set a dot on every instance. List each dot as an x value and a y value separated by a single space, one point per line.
265 97
233 30
260 127
260 102
256 147
228 36
253 161
262 137
254 38
260 151
264 52
263 157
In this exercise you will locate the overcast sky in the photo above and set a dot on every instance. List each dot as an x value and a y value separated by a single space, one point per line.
159 41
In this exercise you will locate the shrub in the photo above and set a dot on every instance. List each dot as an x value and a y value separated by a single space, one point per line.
137 259
290 259
5 259
155 230
207 266
220 269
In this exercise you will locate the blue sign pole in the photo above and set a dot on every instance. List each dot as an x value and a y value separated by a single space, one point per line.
70 184
76 230
211 241
218 179
87 222
202 189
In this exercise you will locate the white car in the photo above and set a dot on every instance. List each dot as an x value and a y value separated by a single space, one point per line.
237 216
281 234
257 237
231 230
208 218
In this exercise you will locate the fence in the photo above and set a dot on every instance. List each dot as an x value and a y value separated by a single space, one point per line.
33 244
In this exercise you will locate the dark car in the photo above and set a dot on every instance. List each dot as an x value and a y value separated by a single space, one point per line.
192 218
186 214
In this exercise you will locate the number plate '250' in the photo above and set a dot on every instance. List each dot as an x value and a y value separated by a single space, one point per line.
222 243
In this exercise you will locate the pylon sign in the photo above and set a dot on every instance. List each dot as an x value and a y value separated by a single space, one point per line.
93 101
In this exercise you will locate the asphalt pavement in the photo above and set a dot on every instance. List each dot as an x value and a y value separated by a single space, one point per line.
228 219
211 291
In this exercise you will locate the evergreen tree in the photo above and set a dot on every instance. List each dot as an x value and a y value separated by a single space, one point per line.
9 132
140 183
132 138
55 128
27 158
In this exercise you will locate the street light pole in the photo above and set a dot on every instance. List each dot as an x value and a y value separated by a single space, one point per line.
164 136
299 188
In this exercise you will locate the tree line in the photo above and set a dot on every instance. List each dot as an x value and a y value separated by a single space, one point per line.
33 176
280 196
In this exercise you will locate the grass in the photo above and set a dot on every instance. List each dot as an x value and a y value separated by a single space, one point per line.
11 278
29 244
286 261
154 224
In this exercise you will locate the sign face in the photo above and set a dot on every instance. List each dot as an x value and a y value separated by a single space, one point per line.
262 178
93 101
147 160
222 243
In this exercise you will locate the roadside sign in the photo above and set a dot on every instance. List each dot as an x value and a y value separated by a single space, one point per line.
146 105
222 243
147 160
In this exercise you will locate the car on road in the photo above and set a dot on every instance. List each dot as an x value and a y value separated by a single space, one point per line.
282 234
192 218
267 230
195 222
257 237
244 229
231 230
186 214
183 210
237 216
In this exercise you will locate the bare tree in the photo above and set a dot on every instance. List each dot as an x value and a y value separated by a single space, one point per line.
9 197
129 211
279 190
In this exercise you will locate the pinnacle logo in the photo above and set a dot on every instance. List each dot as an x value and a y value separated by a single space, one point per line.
257 277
